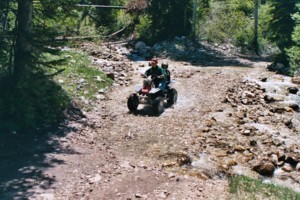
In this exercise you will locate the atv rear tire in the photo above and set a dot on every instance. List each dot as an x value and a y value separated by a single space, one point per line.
133 102
172 96
158 105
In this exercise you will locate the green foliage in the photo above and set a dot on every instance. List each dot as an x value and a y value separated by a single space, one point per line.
77 69
227 24
37 100
107 18
282 27
143 29
246 188
169 18
282 24
7 20
294 51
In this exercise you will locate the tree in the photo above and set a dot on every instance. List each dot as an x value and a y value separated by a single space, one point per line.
24 37
256 47
170 18
282 27
294 51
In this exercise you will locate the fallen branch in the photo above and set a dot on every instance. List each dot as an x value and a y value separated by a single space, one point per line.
90 37
101 6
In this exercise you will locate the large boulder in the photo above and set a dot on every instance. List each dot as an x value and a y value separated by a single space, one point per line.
140 45
264 169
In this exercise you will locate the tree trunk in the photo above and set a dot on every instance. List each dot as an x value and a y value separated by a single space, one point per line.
23 51
194 19
256 45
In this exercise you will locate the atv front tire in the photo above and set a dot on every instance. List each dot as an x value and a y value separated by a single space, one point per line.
158 105
133 102
172 96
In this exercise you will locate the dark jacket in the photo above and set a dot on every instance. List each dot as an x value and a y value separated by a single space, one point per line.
168 75
154 72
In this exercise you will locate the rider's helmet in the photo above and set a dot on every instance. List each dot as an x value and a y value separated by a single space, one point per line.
165 65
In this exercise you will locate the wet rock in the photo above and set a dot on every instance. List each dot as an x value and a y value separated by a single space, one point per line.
293 90
279 68
264 79
279 110
289 124
269 99
184 160
292 161
281 156
294 106
264 169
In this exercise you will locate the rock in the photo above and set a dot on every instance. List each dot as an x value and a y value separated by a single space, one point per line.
289 124
140 45
95 179
298 167
274 159
247 132
280 163
293 90
292 161
296 80
294 106
100 96
253 143
269 99
162 195
239 148
278 67
281 156
264 169
264 79
288 109
245 101
138 196
279 110
111 75
287 167
184 160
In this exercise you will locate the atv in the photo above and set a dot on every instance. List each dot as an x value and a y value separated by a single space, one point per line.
151 95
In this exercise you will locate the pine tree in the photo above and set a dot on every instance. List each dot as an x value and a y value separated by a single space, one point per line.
283 26
294 51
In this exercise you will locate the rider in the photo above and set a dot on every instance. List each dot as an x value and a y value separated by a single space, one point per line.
158 75
165 66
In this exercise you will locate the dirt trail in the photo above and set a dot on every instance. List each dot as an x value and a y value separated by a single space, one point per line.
132 156
121 155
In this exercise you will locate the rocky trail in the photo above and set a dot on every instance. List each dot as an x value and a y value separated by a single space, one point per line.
228 120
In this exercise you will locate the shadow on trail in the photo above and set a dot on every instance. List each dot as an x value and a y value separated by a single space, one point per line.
147 111
23 161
